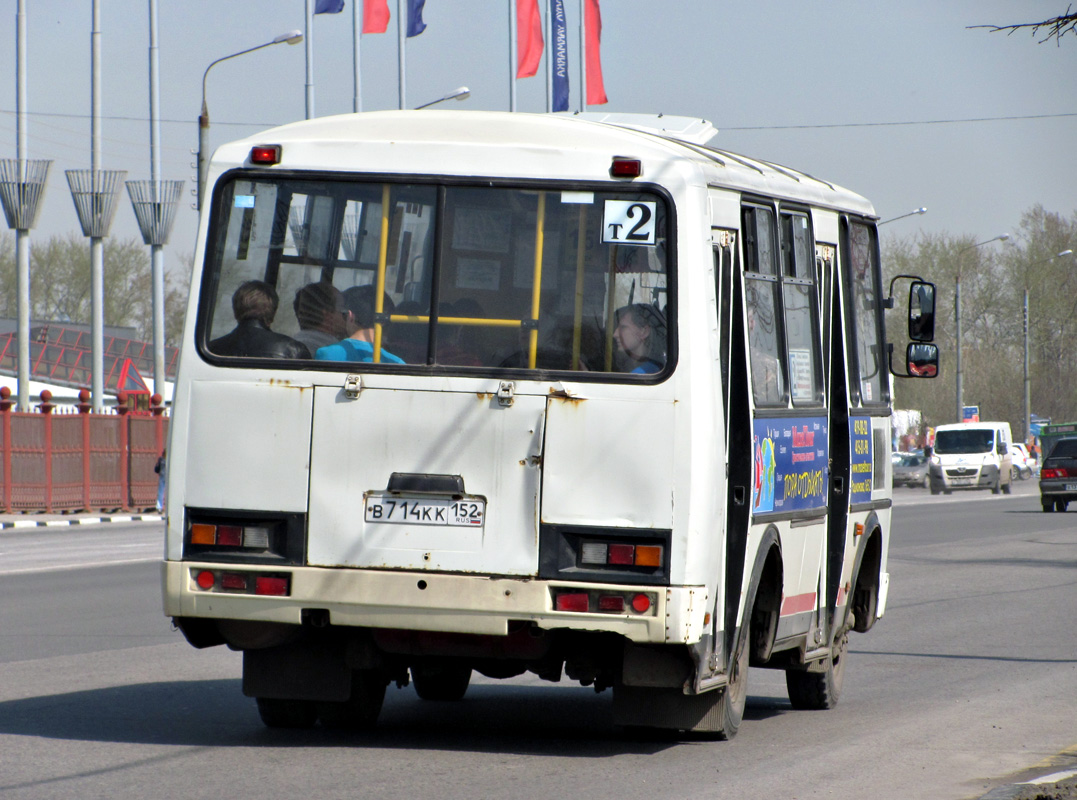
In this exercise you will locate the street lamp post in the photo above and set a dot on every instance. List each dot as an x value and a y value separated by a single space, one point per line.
292 37
921 210
458 94
957 316
1028 403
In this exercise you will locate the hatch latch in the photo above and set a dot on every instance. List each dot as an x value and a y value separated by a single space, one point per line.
353 384
506 392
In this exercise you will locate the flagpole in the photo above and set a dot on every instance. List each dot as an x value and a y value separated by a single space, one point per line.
549 56
401 27
309 41
357 99
512 55
583 57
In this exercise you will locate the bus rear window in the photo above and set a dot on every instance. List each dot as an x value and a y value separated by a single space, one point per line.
449 277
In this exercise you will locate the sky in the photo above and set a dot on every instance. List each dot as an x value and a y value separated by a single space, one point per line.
899 101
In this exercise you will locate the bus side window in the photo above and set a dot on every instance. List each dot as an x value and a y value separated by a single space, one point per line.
801 313
762 288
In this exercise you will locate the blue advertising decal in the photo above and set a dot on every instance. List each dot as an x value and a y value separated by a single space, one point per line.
861 459
789 464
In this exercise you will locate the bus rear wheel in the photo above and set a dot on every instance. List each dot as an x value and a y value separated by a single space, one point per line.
283 713
441 682
820 690
360 711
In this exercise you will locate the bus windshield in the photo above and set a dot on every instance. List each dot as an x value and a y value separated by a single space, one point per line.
438 276
968 441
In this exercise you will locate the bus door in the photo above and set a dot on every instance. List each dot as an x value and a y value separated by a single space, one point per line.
498 299
834 360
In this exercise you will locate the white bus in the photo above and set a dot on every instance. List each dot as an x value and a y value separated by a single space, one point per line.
570 394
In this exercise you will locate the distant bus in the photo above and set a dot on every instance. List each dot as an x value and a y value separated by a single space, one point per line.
608 404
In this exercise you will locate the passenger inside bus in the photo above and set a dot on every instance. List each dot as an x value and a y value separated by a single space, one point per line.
254 305
359 345
319 309
640 334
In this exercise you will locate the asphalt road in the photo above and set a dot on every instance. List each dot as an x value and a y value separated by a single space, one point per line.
968 683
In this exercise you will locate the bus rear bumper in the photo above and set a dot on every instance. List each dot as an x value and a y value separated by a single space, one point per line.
449 603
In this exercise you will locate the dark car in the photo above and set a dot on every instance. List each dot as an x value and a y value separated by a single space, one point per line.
1058 476
910 469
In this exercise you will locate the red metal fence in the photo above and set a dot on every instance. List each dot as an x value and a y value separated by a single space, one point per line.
56 461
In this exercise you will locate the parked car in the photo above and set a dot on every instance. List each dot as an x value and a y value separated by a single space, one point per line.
911 470
1058 476
1023 465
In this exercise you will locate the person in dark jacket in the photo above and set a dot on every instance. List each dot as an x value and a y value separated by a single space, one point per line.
255 305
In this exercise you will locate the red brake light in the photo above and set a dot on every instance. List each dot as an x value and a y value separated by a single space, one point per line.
626 167
234 580
641 603
205 579
266 154
230 535
611 602
265 584
621 554
572 601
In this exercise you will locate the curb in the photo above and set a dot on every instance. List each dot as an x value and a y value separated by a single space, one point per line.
1014 790
61 523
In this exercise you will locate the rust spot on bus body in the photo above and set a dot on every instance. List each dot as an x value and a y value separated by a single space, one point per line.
562 394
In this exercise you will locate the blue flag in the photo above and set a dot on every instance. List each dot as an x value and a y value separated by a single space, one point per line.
328 6
415 17
559 55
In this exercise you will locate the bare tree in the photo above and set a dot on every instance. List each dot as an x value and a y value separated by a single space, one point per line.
1054 28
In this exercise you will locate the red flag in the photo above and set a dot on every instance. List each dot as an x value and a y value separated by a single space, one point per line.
596 92
529 42
375 16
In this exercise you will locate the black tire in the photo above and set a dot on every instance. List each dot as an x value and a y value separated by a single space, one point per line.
1060 505
997 488
1008 488
1048 506
818 691
279 713
360 711
441 682
735 695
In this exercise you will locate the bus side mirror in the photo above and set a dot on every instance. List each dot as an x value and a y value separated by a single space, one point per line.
922 312
922 360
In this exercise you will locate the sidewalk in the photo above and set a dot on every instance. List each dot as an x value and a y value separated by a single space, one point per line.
9 521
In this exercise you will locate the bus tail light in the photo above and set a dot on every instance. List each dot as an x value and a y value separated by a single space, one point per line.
604 601
236 582
620 554
247 537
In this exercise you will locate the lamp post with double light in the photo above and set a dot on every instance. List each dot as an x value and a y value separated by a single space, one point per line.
456 94
921 210
1028 403
957 317
292 37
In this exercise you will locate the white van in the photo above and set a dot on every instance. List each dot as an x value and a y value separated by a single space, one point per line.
972 455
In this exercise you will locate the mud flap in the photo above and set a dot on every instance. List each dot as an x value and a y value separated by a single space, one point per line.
669 709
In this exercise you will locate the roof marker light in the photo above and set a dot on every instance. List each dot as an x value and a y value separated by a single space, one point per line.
626 167
265 154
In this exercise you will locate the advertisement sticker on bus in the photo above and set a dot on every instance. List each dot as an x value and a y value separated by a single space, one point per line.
789 458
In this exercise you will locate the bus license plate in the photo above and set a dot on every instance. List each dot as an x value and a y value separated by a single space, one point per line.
396 510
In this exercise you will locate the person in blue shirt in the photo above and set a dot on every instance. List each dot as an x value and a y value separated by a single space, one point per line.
640 333
359 346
